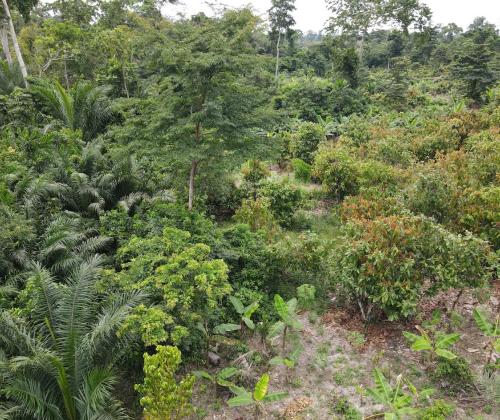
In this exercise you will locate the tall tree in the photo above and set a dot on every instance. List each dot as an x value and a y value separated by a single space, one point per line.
281 20
472 63
13 35
406 13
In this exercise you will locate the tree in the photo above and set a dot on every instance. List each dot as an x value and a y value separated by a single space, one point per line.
406 13
281 20
13 36
84 107
212 96
162 397
58 364
472 62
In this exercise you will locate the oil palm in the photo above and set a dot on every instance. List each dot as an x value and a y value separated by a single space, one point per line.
57 363
83 107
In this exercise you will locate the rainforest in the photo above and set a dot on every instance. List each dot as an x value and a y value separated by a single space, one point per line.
220 216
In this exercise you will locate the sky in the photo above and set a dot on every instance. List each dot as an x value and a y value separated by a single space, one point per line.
312 14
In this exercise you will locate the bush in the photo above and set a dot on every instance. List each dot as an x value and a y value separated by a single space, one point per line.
388 264
257 214
301 170
379 175
355 129
305 140
162 396
434 195
284 199
336 169
439 410
454 375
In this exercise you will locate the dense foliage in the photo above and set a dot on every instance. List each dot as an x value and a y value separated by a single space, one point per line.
177 193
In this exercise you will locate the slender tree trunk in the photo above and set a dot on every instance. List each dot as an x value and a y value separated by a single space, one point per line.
192 174
124 75
194 166
4 38
276 73
19 56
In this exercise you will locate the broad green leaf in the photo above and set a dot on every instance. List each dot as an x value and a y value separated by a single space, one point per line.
261 387
390 416
447 340
227 372
427 392
482 322
277 361
496 345
446 354
203 374
383 387
275 396
296 325
292 305
237 304
276 329
289 363
240 400
248 322
281 307
402 401
421 344
224 328
410 336
250 309
227 384
295 354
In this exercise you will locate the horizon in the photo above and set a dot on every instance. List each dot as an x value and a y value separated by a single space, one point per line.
311 15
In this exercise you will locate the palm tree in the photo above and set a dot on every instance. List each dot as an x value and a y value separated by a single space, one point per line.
59 363
83 107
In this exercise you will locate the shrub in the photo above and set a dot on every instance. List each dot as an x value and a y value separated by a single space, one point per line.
336 169
434 195
454 375
439 410
388 264
391 150
355 129
306 295
358 208
257 214
283 198
254 171
377 174
305 140
162 397
301 170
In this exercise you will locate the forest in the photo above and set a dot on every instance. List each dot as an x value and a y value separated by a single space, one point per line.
223 217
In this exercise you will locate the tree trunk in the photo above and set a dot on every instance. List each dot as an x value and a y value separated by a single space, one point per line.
4 38
19 56
192 174
277 56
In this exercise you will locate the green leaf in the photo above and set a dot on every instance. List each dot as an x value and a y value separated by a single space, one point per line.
227 384
261 387
275 396
383 387
289 363
250 309
237 304
482 322
276 329
292 305
446 354
390 416
203 374
281 307
227 372
248 322
277 361
240 400
224 328
421 344
447 340
410 336
496 345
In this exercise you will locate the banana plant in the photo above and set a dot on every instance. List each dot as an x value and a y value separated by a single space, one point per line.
287 312
489 330
400 403
435 344
245 312
258 397
221 378
289 362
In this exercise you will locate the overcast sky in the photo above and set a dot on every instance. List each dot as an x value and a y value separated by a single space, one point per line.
312 14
